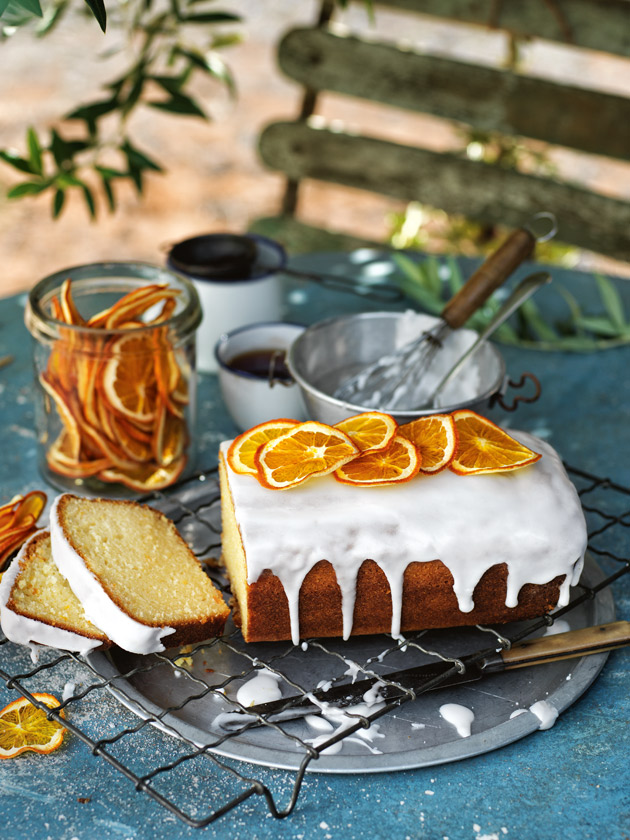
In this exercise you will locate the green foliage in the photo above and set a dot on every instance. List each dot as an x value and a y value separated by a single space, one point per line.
431 282
91 149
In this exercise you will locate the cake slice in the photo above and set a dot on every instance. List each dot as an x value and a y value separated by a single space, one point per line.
329 559
38 605
134 574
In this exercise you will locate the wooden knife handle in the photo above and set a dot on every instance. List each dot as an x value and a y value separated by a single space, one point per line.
495 270
575 643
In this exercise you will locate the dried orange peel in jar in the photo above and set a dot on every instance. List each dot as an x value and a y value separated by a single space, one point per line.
18 520
24 727
371 450
120 398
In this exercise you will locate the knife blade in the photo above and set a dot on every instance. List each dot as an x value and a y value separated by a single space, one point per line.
398 684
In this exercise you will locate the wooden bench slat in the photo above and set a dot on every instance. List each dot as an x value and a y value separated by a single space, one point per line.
486 98
480 191
593 24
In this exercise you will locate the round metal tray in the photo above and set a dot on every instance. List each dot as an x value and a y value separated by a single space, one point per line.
415 735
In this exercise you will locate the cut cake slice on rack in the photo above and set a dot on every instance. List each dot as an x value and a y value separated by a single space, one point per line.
134 574
38 605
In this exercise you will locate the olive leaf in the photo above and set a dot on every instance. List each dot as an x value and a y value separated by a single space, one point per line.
16 161
31 6
612 301
34 152
97 8
421 281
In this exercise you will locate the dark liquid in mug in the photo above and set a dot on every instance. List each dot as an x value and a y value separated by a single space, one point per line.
262 363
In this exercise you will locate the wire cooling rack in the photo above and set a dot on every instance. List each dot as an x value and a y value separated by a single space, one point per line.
150 746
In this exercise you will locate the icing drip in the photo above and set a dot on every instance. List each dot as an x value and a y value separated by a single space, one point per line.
262 688
531 519
545 712
458 716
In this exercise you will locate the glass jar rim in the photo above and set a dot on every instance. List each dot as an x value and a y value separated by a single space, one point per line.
42 324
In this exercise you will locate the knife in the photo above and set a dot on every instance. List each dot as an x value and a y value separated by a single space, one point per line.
575 643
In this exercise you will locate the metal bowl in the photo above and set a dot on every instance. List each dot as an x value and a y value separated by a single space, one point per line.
331 351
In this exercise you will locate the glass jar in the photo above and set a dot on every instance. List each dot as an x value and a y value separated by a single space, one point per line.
114 357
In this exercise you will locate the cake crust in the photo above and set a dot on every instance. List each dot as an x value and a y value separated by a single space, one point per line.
428 602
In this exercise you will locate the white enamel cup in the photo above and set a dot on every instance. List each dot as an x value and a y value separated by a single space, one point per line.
252 399
230 302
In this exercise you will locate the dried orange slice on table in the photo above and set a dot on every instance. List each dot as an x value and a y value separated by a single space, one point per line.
371 431
399 462
25 727
241 455
486 448
435 437
304 451
18 520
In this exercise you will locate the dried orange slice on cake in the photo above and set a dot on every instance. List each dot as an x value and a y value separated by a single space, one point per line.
304 451
241 455
25 727
435 437
371 431
485 448
399 462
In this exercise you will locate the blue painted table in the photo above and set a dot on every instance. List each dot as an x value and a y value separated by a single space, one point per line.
571 781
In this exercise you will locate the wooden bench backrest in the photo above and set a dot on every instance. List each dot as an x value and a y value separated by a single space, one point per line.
485 98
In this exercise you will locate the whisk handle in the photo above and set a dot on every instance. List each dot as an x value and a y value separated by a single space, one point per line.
495 270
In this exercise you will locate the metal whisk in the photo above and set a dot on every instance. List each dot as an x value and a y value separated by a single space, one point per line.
395 381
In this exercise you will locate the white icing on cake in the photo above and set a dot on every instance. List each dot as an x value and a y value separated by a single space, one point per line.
530 518
24 630
121 628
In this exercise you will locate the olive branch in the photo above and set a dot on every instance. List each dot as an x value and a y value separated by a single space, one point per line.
167 47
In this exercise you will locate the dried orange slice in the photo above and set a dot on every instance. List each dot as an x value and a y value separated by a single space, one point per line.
69 312
22 509
128 378
169 437
304 451
68 418
371 431
146 477
435 437
62 461
242 451
399 462
132 306
485 448
18 520
168 374
25 727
